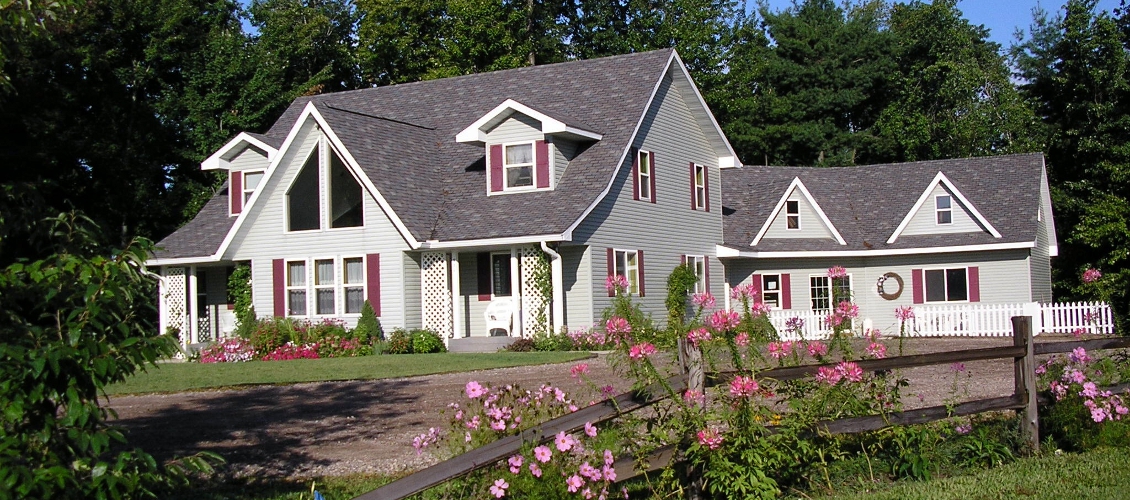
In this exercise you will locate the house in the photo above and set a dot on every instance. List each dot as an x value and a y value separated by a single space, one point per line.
962 232
436 199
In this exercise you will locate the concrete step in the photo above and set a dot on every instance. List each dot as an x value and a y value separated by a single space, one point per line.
479 344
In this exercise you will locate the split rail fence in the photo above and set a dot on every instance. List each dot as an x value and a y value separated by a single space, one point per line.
1023 401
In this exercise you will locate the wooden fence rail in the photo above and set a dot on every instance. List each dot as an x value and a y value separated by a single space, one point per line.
1023 399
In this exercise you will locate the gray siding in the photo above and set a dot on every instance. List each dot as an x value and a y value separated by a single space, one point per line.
411 295
925 220
516 128
251 158
263 237
1003 278
810 224
668 228
563 151
1040 261
576 267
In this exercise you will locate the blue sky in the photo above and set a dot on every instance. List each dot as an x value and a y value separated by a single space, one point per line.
1002 17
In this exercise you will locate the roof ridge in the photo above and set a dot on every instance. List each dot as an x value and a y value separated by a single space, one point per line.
367 115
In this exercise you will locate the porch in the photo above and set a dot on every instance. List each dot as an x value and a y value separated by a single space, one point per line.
194 301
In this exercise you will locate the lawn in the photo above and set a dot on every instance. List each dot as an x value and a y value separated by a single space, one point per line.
178 377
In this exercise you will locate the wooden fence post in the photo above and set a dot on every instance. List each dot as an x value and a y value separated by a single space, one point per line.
1025 376
696 381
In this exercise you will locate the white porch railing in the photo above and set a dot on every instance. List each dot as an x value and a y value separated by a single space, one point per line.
969 320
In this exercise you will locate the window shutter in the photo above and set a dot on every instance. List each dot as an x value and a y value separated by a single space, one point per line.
611 269
651 170
235 192
694 205
496 176
973 275
917 285
786 292
682 260
373 281
706 187
541 163
635 174
756 281
482 266
639 262
278 286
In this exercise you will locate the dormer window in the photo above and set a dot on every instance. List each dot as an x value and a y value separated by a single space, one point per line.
943 208
251 183
519 166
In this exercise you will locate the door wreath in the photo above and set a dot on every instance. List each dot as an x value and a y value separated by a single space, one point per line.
885 285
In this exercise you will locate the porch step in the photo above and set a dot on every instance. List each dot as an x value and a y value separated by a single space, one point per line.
479 344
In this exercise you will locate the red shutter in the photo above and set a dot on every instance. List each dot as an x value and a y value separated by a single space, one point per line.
706 187
706 273
496 175
611 269
373 281
756 280
974 277
651 170
683 260
916 285
639 265
694 204
786 292
482 266
278 286
541 163
235 191
635 174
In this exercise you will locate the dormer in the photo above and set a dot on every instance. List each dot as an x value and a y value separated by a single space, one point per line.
942 209
523 146
797 215
245 157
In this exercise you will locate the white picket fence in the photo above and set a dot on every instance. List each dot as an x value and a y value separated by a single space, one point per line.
969 320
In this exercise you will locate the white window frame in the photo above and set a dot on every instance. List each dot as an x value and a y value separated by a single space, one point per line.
304 287
339 286
343 286
700 187
698 265
315 287
790 215
509 270
633 285
243 184
945 285
533 164
938 211
643 179
325 149
829 287
765 291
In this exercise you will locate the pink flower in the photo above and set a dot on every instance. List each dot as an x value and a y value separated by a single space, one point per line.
590 430
499 488
564 441
1078 332
877 350
746 291
837 272
608 472
957 367
515 463
963 429
474 390
535 470
724 320
694 398
710 438
832 320
778 350
1098 414
759 309
617 326
589 472
579 369
608 458
828 375
1079 355
543 453
794 324
742 339
498 425
473 423
616 283
574 482
904 313
847 309
743 387
1092 275
640 351
703 300
817 348
1089 390
850 371
698 335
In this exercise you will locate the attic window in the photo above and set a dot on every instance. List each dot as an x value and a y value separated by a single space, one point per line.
304 198
943 208
250 183
792 214
519 165
345 196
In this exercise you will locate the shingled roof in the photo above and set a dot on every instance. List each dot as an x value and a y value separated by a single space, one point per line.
867 203
202 236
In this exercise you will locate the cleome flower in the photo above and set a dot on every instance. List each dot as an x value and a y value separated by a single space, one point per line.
1092 275
698 335
724 320
710 438
904 313
642 350
837 272
743 387
703 300
616 283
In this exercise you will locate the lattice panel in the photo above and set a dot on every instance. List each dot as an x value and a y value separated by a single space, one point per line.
175 291
532 302
436 292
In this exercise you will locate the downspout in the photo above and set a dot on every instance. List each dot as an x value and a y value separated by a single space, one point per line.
558 285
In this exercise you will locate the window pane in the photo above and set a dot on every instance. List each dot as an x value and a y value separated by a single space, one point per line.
842 288
935 285
303 200
792 207
296 301
821 293
501 274
621 268
296 275
956 284
345 196
323 272
325 300
943 202
519 176
251 180
945 217
354 299
522 153
771 281
354 271
793 222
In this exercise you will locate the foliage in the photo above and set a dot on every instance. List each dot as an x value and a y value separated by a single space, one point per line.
1083 415
368 326
521 345
239 294
543 288
426 342
679 284
228 351
399 342
550 341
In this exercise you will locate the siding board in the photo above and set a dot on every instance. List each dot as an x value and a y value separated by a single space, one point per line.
925 220
810 224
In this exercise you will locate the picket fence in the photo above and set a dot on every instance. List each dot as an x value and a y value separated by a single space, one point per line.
969 320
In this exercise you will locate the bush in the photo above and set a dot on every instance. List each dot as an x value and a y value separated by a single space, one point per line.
271 334
400 342
426 341
549 341
520 345
369 326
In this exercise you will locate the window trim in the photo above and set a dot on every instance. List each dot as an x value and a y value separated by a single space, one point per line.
325 148
778 290
633 288
789 215
338 285
831 292
644 180
305 287
945 285
243 185
695 261
699 202
938 211
363 285
533 167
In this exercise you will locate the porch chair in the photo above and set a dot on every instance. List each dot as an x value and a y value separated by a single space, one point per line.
500 316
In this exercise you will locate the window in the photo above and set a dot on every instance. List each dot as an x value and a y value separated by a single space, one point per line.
304 198
627 265
500 274
324 286
792 214
518 165
943 208
345 196
643 178
947 285
354 285
771 289
698 264
296 288
699 187
821 290
250 183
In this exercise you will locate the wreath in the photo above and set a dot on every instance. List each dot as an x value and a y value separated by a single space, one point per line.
882 284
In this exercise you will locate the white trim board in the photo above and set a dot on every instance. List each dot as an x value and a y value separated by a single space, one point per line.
219 159
474 133
799 185
942 179
725 251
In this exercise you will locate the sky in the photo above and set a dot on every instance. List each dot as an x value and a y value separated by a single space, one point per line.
1002 17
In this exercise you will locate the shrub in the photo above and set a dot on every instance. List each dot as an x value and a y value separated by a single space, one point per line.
329 328
399 342
239 295
549 341
426 341
520 345
368 326
1082 415
270 334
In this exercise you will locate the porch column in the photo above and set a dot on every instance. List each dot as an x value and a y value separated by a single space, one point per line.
516 293
193 319
456 301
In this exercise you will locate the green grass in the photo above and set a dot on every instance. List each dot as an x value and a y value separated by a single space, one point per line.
1100 473
179 377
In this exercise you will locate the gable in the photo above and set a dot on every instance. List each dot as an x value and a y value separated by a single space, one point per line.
927 203
924 220
518 127
250 158
811 227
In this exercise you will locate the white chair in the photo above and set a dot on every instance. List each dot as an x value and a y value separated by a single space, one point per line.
500 316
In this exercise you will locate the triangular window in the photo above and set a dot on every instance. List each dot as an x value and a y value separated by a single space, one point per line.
345 196
304 198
